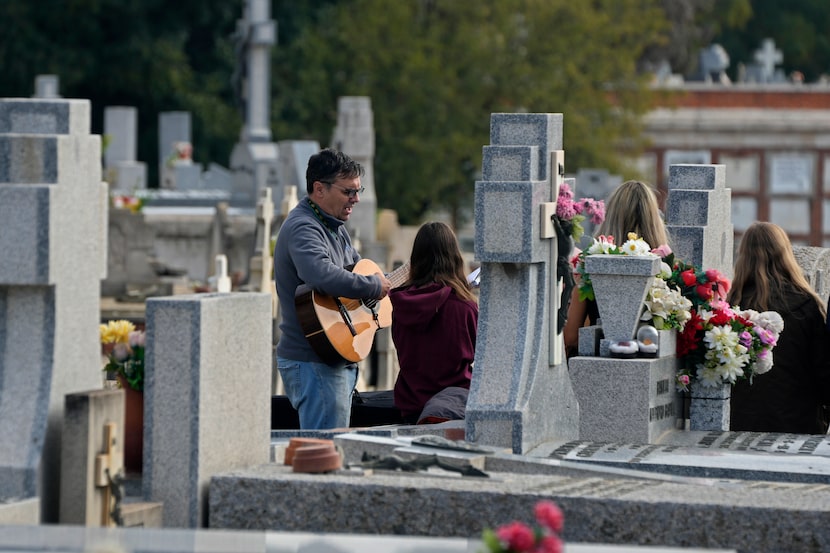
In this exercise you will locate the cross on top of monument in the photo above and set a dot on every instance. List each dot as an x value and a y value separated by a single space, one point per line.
768 57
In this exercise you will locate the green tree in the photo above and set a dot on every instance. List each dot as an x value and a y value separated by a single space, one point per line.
154 55
799 29
436 69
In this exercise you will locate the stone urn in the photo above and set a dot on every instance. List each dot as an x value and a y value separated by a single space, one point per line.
621 283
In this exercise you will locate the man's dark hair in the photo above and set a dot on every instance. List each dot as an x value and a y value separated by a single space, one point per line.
328 165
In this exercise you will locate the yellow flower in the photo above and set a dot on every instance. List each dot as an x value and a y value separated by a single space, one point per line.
116 331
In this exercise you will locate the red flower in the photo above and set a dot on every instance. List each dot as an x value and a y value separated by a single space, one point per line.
517 535
720 318
704 291
689 277
719 282
549 515
549 544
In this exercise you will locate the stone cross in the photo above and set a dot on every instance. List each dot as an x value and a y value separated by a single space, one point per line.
520 395
699 216
53 215
768 56
254 159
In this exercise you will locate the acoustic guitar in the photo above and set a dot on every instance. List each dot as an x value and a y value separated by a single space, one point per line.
341 328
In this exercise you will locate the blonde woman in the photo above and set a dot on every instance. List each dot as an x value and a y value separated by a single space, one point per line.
790 396
632 207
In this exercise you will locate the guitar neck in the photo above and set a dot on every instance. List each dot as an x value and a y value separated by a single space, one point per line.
399 275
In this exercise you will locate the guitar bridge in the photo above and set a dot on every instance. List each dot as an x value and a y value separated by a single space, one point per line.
344 313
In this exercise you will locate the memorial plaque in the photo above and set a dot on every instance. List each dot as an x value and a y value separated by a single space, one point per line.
737 455
791 173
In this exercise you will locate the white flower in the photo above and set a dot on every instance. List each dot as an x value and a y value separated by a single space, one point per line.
763 365
637 247
601 245
662 303
665 271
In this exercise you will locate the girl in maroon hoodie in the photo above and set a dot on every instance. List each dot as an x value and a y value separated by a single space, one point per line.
434 321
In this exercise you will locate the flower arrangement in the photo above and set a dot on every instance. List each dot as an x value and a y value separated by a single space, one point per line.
518 537
717 343
721 345
124 350
605 245
666 308
571 213
132 203
182 152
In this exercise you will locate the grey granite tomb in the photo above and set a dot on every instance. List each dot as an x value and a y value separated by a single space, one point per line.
53 243
518 397
207 396
699 216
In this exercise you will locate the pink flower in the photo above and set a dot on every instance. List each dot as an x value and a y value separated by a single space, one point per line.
120 351
662 250
596 208
745 339
767 337
549 544
549 515
565 208
137 338
683 379
517 536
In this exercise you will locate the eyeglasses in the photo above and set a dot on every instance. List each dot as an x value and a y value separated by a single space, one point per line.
350 192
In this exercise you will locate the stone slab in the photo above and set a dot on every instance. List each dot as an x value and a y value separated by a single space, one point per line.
744 516
26 511
698 462
73 539
764 442
44 116
690 176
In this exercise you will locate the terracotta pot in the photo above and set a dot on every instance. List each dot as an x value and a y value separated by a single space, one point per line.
295 443
133 428
316 458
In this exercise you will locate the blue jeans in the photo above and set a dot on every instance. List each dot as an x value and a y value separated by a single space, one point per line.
321 394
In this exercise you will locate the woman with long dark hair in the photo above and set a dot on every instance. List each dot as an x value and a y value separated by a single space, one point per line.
434 321
790 396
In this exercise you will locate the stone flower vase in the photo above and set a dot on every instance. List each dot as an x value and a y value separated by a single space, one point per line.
621 283
709 407
133 428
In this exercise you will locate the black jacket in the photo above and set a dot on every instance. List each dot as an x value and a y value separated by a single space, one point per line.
790 396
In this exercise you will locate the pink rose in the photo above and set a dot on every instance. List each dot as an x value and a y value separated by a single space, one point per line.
549 515
550 544
662 250
517 535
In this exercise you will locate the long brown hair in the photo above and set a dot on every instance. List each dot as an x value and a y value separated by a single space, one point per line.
436 257
633 207
766 271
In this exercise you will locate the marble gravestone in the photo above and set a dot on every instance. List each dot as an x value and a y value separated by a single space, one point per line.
53 242
520 396
698 216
